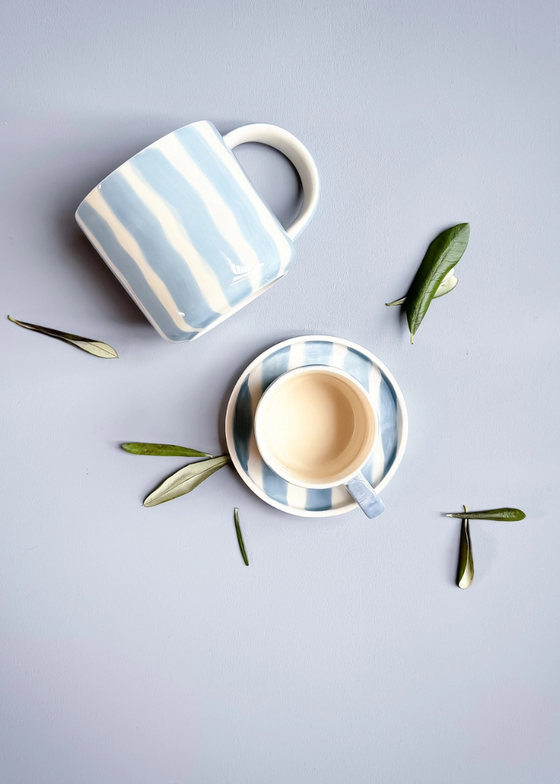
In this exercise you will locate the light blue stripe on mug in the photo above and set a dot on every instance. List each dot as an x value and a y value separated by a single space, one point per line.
174 188
170 266
104 235
247 216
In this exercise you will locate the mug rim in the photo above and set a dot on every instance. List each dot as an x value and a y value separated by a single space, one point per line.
266 454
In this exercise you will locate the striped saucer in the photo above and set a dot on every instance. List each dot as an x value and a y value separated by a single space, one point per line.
314 350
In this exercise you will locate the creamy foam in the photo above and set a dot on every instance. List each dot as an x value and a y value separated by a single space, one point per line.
317 426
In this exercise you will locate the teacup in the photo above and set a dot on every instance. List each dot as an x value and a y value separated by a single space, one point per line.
186 233
317 427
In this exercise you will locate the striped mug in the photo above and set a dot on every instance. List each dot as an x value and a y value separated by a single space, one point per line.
186 233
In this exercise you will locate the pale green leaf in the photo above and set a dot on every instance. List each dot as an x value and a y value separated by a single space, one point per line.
95 347
162 450
185 480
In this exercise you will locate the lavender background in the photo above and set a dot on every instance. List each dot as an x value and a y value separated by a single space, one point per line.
135 646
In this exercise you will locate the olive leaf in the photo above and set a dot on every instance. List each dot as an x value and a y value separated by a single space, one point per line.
505 514
95 347
465 571
240 541
447 285
185 480
163 450
442 255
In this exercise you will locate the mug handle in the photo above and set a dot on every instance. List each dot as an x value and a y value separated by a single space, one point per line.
293 149
364 495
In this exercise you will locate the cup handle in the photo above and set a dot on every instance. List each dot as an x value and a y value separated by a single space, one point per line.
364 495
293 149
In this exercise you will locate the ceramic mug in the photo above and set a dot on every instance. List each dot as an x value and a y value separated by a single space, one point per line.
186 233
317 427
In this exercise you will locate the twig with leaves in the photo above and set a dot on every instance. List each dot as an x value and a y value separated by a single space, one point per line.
435 276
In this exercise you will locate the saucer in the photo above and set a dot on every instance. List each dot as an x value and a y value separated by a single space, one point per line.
314 350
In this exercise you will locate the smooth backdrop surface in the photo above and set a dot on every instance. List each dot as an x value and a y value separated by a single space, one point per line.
135 646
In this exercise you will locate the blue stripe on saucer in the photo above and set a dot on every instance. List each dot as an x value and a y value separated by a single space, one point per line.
243 424
318 500
318 352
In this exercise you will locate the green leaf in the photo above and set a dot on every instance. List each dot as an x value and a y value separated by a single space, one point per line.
442 255
465 571
95 347
240 541
164 450
505 514
447 285
185 480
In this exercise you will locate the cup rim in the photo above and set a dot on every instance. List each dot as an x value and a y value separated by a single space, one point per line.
265 452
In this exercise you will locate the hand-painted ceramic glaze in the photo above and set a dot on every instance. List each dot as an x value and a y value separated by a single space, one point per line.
298 352
186 233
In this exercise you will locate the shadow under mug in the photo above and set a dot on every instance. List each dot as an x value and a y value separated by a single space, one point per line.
185 231
317 427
